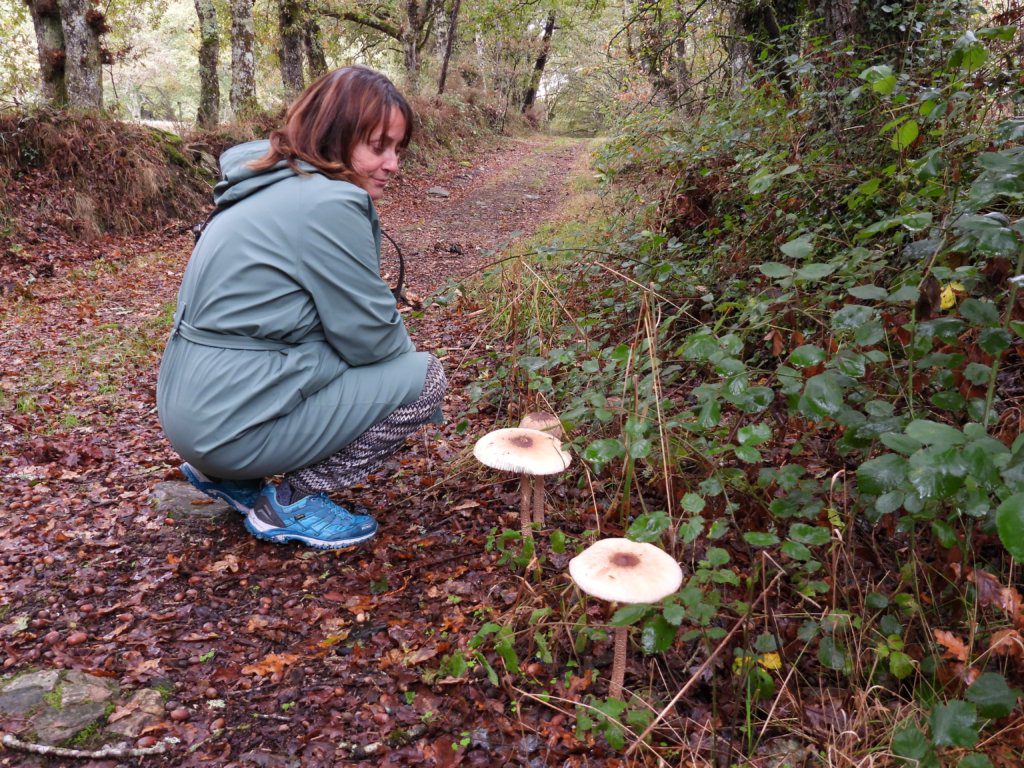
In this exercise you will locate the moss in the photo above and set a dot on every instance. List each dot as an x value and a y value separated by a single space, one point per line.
55 697
86 735
165 689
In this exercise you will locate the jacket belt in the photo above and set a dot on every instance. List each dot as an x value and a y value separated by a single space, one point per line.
237 341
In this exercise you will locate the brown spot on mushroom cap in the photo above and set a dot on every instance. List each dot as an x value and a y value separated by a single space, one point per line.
522 441
625 560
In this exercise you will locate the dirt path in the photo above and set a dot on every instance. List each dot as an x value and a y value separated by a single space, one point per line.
266 655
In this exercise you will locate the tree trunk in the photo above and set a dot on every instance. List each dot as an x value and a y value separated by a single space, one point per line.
289 13
453 21
410 43
542 59
82 25
314 43
50 49
209 57
839 16
243 65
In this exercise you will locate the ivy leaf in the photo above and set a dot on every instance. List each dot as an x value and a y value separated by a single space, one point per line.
807 355
832 653
1010 522
993 697
953 724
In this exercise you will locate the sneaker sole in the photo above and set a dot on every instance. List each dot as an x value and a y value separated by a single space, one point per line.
195 477
284 538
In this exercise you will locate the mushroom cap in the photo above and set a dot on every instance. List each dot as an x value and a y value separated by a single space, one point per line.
527 451
624 571
545 422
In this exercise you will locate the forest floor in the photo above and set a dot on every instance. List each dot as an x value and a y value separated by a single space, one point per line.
268 655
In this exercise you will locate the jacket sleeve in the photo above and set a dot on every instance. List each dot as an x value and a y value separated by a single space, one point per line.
339 265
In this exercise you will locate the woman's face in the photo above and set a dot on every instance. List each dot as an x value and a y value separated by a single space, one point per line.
375 160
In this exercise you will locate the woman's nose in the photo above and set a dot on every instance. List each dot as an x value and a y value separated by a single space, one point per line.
391 161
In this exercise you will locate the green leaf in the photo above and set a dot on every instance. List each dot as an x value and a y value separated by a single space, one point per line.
911 744
880 78
747 454
905 135
934 433
953 724
974 760
754 434
630 614
693 503
994 340
603 451
799 248
796 551
557 540
822 396
814 272
811 535
657 635
900 665
869 292
832 653
760 539
674 614
806 355
980 313
649 527
774 269
886 473
993 697
690 529
1010 522
852 316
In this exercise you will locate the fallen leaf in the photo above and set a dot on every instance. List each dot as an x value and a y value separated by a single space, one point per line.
271 663
955 647
1007 642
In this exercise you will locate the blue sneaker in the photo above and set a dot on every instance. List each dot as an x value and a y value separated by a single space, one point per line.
314 520
240 495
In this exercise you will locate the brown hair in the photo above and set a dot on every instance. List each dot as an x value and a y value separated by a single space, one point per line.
331 116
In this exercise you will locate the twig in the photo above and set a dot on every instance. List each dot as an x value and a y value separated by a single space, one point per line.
700 670
117 751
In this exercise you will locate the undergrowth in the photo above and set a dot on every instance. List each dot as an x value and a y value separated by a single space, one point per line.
788 349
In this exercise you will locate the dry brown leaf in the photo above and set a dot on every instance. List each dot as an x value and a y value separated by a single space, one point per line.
271 663
1007 642
992 592
955 647
229 563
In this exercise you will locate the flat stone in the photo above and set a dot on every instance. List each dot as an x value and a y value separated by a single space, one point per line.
178 499
143 708
82 688
438 192
55 726
27 692
84 700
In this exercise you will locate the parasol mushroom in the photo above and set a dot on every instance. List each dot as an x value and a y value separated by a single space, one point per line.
545 422
624 571
529 452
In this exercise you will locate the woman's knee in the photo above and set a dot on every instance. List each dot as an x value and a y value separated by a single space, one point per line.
435 383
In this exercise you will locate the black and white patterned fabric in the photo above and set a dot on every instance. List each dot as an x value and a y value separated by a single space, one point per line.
368 452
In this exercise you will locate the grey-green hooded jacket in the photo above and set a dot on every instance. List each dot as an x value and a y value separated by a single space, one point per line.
287 344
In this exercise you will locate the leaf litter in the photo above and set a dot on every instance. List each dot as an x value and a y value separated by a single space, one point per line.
309 655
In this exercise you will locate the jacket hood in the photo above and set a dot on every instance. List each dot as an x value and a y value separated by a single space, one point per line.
238 180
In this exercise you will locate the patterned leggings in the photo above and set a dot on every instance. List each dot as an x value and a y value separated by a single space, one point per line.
367 452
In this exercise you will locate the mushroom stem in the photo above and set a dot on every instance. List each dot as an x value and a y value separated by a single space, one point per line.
538 500
618 663
525 506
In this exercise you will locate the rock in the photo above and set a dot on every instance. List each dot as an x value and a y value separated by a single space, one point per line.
26 692
84 700
438 192
531 197
143 708
178 499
